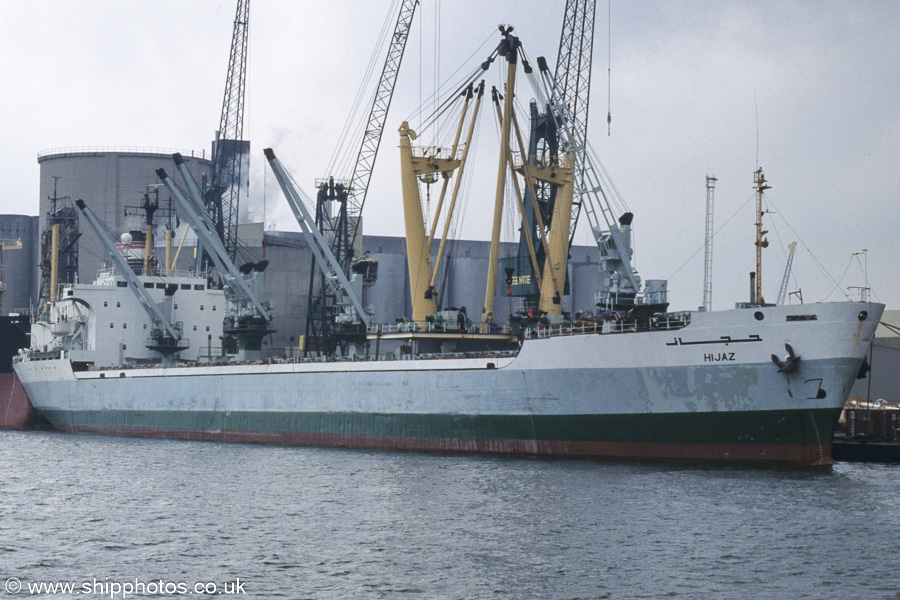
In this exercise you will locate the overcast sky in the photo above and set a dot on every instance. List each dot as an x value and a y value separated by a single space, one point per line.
688 80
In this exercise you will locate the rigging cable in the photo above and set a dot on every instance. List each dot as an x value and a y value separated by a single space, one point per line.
890 327
802 243
455 97
339 155
468 78
436 77
838 283
722 226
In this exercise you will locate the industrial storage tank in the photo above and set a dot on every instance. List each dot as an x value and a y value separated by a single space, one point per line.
109 180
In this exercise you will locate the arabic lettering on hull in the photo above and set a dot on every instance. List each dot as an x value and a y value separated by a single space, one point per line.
725 339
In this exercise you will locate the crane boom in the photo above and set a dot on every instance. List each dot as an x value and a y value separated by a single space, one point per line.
572 79
567 96
223 196
233 280
782 290
172 332
247 318
325 259
572 82
340 201
365 160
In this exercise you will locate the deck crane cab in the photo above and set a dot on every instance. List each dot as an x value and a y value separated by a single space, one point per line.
566 94
340 199
351 319
248 319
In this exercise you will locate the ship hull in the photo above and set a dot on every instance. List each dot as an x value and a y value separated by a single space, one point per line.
798 437
706 393
16 411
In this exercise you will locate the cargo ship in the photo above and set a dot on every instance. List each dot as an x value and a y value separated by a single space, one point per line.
758 383
702 387
627 380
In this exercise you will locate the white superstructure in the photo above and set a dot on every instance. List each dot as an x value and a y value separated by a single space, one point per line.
102 324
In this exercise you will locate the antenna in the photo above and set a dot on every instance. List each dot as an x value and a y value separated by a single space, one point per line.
609 68
864 289
756 106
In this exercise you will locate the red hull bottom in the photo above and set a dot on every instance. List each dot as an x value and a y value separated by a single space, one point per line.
16 411
801 455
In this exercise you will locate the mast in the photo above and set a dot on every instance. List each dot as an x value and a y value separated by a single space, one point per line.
508 48
759 180
59 265
54 261
708 243
554 277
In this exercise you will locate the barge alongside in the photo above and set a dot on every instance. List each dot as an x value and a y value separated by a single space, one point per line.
16 411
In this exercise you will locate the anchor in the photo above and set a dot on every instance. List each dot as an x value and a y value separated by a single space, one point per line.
790 362
864 369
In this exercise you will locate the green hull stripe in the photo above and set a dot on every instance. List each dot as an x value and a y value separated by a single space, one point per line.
787 427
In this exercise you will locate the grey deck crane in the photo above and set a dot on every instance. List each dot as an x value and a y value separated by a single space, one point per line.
351 319
248 319
339 202
166 336
567 93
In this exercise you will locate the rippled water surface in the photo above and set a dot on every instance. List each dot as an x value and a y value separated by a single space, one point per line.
313 523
